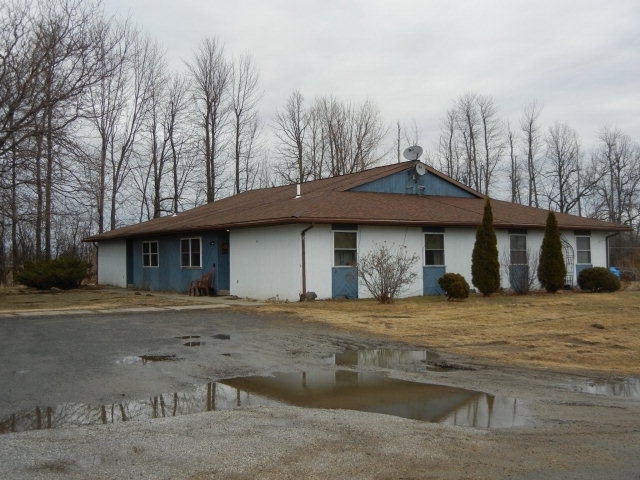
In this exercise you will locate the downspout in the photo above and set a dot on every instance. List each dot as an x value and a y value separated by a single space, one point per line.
304 260
606 239
95 245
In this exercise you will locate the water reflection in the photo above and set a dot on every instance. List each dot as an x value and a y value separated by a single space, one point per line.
363 391
619 387
382 358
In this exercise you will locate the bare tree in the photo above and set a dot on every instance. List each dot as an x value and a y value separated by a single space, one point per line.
353 134
290 128
492 141
130 114
515 177
468 126
532 141
618 189
568 181
245 123
106 105
152 168
210 76
448 147
178 133
471 142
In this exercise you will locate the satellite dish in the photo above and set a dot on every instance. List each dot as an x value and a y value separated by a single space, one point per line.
421 169
412 153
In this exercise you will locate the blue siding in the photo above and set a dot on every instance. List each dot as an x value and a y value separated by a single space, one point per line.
430 277
408 183
344 282
169 275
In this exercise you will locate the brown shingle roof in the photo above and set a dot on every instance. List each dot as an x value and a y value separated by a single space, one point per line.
330 201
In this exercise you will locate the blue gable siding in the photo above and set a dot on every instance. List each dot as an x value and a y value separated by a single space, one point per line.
169 275
408 183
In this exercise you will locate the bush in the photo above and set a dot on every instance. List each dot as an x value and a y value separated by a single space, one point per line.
598 279
386 271
551 268
485 268
63 273
454 285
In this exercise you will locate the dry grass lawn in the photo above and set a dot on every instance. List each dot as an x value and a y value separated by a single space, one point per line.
569 331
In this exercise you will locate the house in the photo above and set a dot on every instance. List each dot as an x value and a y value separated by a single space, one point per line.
282 241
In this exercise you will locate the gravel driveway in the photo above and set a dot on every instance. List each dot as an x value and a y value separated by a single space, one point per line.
97 359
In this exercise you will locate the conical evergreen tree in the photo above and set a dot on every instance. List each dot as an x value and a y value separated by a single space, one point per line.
485 268
551 267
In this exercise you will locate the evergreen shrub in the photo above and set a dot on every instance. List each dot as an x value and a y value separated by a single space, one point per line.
63 273
454 285
551 268
598 279
485 268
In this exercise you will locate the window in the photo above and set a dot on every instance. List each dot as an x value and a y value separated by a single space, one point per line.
345 249
150 255
190 256
518 249
583 248
434 249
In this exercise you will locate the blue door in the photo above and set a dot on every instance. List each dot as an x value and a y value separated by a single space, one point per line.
344 282
430 277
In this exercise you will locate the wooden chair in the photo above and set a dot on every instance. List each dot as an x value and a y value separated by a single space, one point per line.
200 287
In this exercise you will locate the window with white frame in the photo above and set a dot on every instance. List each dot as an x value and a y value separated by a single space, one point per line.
434 249
583 247
518 248
191 252
345 248
150 254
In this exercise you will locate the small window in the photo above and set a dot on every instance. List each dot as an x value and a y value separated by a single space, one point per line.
345 249
518 249
150 255
434 249
190 252
583 249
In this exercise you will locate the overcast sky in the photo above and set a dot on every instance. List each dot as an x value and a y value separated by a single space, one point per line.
579 59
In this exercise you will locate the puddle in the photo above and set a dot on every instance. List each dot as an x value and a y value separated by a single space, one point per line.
341 389
616 387
411 360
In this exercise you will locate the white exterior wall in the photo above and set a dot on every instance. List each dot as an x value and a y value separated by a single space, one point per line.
458 245
266 262
598 248
112 263
410 237
319 256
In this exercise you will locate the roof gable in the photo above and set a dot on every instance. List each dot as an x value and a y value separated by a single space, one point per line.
407 182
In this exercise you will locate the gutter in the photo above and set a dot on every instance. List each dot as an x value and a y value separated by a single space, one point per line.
304 260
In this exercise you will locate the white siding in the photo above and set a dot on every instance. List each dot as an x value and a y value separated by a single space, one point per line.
112 263
319 255
265 262
410 237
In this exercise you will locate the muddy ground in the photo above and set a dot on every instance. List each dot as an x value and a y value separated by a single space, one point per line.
78 357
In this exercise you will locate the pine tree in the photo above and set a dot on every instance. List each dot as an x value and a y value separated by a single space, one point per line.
485 268
551 267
